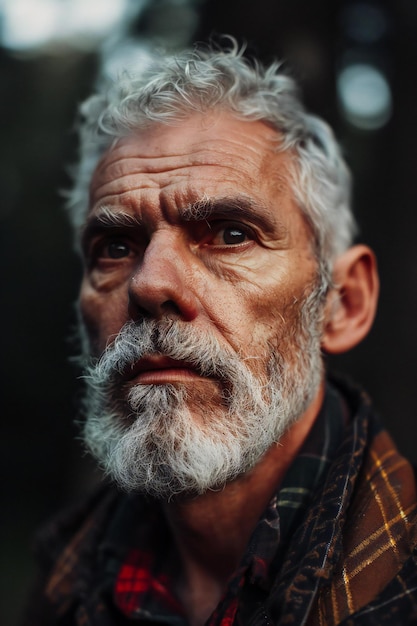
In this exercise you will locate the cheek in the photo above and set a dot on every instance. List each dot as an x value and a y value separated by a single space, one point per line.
273 318
247 319
103 315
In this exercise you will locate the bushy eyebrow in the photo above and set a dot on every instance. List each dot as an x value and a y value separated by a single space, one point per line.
230 207
105 218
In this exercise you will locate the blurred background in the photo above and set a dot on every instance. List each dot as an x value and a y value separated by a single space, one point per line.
356 62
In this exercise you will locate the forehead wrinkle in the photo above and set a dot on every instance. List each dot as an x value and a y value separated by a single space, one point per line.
121 184
113 163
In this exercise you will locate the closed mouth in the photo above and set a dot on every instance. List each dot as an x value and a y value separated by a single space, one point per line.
159 369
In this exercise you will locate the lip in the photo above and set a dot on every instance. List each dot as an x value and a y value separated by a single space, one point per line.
158 369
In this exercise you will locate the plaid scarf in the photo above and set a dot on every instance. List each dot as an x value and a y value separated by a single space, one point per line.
336 545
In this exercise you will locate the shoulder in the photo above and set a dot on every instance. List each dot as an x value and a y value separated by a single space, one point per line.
76 522
375 575
65 550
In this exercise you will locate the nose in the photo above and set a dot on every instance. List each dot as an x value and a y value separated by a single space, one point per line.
161 285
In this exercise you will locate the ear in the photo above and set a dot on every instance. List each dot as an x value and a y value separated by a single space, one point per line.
351 304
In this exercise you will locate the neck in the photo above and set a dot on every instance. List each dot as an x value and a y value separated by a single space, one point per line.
211 531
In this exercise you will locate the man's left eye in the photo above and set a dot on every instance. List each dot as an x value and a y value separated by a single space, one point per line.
231 235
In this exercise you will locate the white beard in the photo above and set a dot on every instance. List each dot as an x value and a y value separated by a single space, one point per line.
149 439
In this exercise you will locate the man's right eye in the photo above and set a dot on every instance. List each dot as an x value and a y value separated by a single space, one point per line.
109 249
115 250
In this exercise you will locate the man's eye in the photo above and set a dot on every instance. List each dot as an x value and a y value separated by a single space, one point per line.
116 250
111 249
231 235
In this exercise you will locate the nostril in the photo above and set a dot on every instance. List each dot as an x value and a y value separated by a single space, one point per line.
169 306
137 312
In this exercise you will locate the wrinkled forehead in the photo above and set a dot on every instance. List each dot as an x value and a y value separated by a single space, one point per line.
194 133
214 152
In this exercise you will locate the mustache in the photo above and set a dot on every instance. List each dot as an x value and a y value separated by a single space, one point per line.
170 338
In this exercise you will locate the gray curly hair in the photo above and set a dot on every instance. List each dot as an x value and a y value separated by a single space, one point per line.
167 89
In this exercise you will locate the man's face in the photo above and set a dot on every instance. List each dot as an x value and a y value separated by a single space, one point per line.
194 239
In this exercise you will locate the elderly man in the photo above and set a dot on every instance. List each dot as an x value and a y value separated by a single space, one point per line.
216 232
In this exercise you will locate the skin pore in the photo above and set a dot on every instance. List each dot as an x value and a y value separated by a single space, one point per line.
198 222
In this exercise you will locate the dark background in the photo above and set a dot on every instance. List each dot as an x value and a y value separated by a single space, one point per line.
42 465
